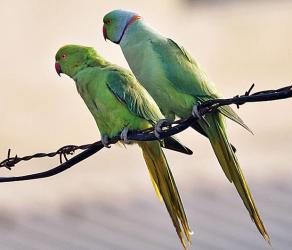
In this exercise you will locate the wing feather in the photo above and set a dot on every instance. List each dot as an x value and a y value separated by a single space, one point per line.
127 89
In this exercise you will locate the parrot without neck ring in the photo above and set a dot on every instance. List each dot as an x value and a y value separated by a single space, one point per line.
119 103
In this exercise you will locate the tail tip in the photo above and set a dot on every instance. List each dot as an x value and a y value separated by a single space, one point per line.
267 238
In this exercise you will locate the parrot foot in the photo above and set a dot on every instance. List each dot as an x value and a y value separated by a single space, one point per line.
158 126
124 135
196 114
105 141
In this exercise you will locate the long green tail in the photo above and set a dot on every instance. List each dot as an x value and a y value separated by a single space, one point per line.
230 165
165 188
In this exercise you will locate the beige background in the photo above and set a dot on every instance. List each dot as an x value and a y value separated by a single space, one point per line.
237 44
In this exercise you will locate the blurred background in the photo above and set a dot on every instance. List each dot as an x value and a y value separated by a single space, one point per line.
107 202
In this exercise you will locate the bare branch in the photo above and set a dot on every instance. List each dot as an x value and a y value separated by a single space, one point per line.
143 135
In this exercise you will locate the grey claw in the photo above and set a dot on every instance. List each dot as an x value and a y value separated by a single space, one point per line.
196 114
124 135
158 126
105 141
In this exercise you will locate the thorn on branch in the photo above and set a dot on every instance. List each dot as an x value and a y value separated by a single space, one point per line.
238 104
247 93
66 150
10 161
8 157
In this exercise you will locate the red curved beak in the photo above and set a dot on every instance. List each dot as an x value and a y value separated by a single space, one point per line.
58 68
104 33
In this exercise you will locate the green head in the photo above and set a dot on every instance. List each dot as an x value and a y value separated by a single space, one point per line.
116 23
70 59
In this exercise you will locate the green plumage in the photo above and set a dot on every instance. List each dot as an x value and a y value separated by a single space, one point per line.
177 83
117 101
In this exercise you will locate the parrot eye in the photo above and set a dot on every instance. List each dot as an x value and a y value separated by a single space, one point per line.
63 56
108 21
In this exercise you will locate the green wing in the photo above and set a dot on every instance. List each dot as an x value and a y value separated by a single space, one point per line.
182 70
187 77
230 113
126 88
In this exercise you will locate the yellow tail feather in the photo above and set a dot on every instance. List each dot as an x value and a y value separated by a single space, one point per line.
231 167
165 188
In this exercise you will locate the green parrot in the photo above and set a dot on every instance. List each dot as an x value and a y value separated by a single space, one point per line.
119 103
177 84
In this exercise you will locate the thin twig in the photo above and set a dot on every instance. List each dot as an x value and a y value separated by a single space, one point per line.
143 135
